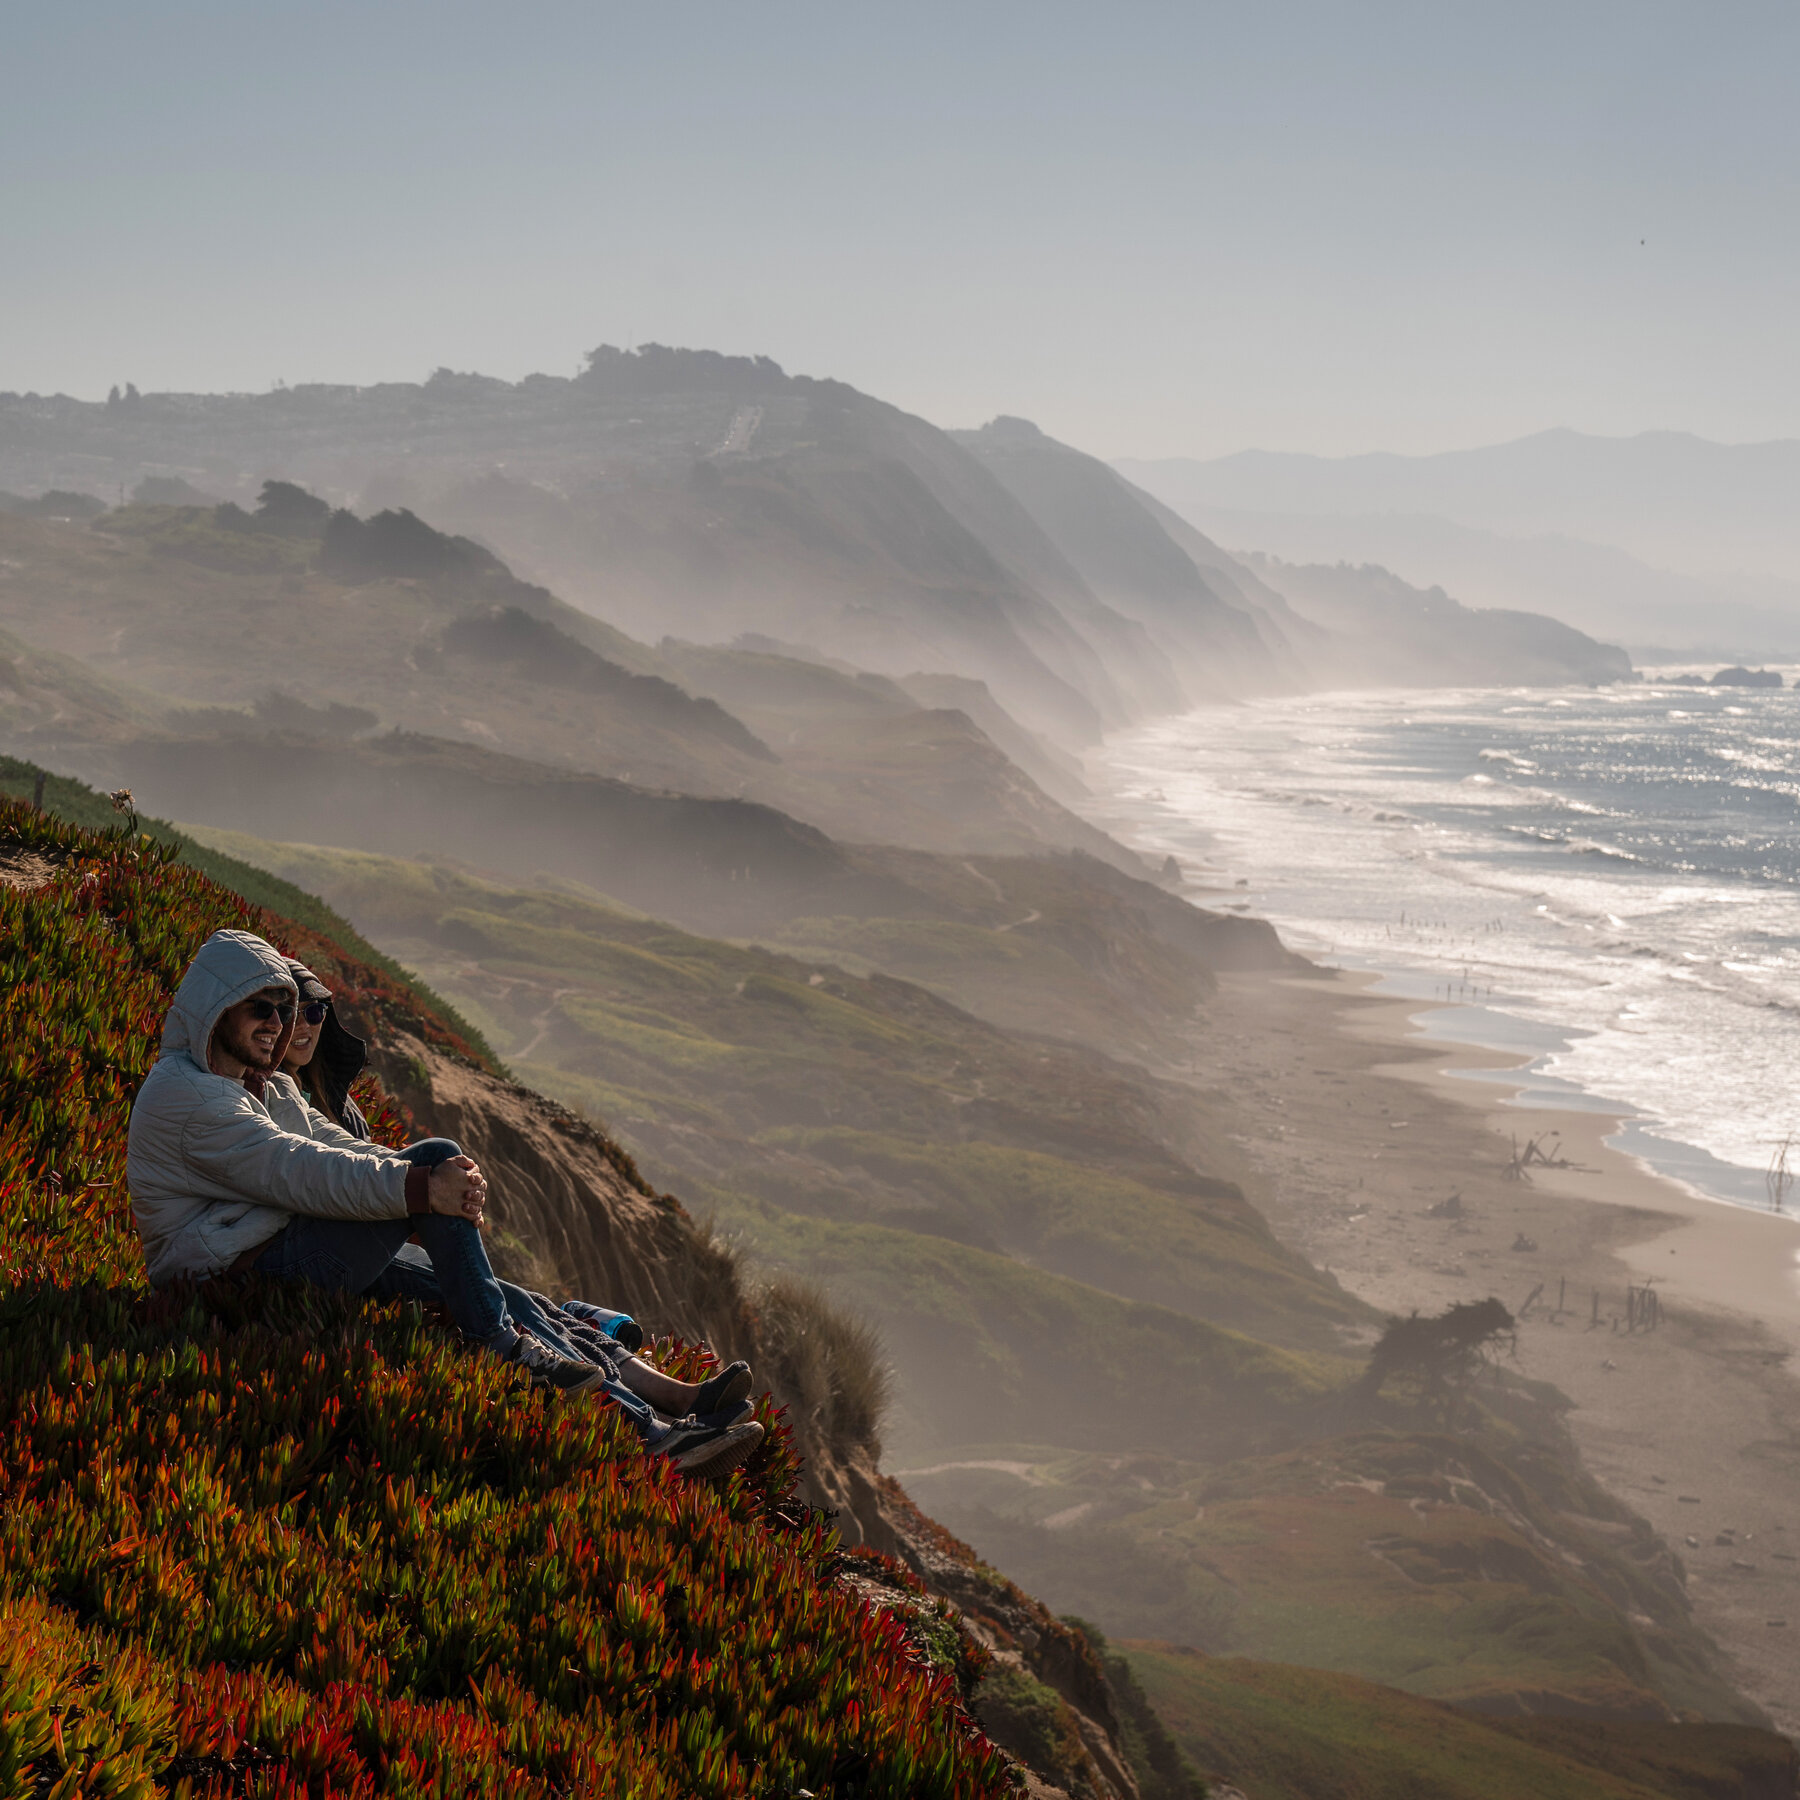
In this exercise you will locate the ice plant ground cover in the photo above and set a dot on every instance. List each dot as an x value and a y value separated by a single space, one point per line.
257 1541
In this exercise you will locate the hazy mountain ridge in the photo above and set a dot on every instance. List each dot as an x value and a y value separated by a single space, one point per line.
1096 520
1656 613
688 495
1327 629
722 493
164 599
1665 496
1664 541
1387 633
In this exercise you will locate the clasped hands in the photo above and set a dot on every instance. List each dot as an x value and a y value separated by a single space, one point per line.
458 1189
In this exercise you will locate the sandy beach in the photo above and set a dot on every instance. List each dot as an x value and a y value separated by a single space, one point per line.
1359 1127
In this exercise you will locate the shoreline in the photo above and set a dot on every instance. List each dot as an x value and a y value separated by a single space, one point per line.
1357 1124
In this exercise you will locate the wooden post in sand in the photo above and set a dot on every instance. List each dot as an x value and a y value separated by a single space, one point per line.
1562 1293
1595 1320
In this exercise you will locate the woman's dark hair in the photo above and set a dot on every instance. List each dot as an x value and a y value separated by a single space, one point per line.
340 1057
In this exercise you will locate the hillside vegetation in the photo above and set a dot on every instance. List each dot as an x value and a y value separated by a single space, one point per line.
1285 1733
260 1540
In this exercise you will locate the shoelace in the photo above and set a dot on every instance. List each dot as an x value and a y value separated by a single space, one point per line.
535 1354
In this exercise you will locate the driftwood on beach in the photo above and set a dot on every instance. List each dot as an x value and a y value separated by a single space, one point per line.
1544 1150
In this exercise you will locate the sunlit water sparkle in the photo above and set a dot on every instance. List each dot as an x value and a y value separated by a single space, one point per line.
1605 879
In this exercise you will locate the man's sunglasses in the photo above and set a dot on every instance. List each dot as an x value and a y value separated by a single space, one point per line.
313 1012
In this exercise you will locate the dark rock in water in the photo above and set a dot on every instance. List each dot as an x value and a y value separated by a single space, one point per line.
1739 677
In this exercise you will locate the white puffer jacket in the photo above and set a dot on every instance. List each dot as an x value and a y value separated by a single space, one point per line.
212 1173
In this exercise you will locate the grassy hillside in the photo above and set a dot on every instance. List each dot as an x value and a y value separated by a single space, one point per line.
1064 946
1485 1568
261 1540
78 804
1286 1733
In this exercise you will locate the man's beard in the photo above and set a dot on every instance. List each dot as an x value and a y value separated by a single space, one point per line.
252 1055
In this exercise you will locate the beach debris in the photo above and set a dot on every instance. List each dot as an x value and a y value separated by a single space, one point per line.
1778 1624
1531 1300
1748 1568
1643 1309
1609 1365
1780 1176
1687 1499
1447 1209
1522 1242
1692 1542
1545 1150
1784 1556
1725 1538
1660 1480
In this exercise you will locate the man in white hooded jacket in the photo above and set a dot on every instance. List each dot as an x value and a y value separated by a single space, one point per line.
219 1186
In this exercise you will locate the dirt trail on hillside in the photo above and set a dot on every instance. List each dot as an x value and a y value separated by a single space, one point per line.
1357 1132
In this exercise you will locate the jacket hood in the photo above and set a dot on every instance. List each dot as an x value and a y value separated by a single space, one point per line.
230 966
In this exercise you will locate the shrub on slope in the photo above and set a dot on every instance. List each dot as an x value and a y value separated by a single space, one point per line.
257 1540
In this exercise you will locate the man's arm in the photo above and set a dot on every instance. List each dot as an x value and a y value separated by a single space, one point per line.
325 1130
235 1143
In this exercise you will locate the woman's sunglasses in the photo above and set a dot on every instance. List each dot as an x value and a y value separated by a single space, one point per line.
313 1012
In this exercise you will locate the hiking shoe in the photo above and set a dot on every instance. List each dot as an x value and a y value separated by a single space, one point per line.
550 1368
725 1389
700 1450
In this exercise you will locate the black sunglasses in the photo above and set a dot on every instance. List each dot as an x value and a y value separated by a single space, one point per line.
313 1012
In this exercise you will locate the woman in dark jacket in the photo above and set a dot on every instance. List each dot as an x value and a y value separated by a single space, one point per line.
325 1056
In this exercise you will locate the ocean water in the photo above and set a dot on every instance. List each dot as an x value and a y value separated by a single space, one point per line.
1607 880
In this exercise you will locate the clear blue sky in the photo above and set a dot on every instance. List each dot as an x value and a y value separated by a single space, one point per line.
1156 229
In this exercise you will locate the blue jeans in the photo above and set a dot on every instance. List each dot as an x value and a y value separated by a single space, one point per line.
355 1256
412 1275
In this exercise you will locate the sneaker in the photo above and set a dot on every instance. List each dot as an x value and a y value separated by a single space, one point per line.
727 1416
697 1449
725 1389
550 1368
